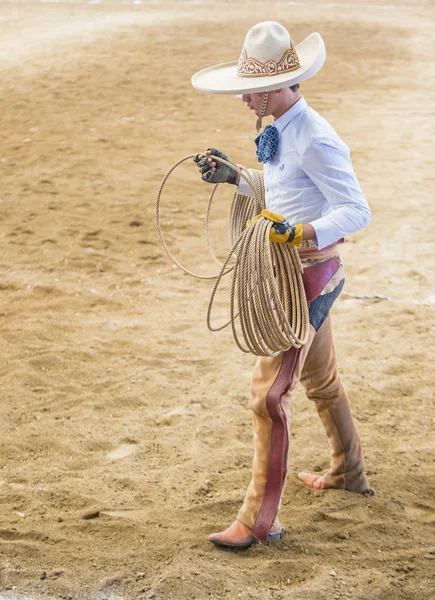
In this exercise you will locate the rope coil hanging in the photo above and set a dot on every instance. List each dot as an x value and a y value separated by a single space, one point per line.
267 292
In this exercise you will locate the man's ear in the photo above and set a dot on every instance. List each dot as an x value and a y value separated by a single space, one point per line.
277 91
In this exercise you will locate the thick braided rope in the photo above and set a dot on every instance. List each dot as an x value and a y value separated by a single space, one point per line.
267 292
246 212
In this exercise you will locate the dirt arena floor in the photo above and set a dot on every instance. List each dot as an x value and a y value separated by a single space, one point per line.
125 437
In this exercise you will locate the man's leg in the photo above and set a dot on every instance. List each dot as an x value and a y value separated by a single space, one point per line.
273 381
323 385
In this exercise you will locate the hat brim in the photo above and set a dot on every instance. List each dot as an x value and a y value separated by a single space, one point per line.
223 78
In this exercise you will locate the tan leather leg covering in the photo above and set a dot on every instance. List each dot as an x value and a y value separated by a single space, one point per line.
265 372
286 399
264 375
323 385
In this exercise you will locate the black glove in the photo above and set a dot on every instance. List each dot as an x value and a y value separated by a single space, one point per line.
221 174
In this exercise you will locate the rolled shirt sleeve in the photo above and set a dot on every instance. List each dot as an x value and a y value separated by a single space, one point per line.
329 167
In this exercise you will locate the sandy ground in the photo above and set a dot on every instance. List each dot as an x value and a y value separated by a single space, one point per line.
125 438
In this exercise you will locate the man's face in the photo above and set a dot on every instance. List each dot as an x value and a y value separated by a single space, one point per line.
253 102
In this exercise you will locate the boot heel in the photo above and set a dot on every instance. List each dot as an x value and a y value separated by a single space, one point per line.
275 536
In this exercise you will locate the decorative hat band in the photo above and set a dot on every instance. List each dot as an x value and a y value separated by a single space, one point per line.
251 67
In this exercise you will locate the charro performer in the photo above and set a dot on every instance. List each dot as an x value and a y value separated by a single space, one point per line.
314 199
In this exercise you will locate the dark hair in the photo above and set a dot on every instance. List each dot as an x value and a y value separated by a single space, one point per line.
295 87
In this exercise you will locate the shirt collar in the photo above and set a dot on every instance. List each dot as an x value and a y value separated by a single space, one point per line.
292 112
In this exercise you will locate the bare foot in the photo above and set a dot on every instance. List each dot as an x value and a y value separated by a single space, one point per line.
317 482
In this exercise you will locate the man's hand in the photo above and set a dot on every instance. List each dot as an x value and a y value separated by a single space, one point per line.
216 172
281 230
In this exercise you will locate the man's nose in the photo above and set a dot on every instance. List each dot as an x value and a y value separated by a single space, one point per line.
245 98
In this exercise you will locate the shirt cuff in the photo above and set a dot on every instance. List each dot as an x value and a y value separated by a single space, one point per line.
244 188
325 234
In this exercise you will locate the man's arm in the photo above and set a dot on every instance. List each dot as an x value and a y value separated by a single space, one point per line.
330 168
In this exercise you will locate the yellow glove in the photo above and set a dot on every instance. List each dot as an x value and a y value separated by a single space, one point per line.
253 219
281 231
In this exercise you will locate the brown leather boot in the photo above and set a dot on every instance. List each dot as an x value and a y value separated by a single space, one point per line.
239 536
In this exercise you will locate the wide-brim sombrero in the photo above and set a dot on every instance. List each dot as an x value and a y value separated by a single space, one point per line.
268 61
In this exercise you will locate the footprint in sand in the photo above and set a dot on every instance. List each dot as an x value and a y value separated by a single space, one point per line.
134 514
420 512
123 450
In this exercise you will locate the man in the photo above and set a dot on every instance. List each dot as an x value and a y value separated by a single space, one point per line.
314 199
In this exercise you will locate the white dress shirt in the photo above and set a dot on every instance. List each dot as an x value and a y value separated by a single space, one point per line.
310 180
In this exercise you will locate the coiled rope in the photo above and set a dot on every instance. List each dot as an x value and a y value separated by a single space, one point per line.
267 292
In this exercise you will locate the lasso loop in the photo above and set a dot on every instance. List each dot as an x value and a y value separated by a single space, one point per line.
267 292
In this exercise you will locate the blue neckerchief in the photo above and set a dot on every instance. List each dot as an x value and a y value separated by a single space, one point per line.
267 143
